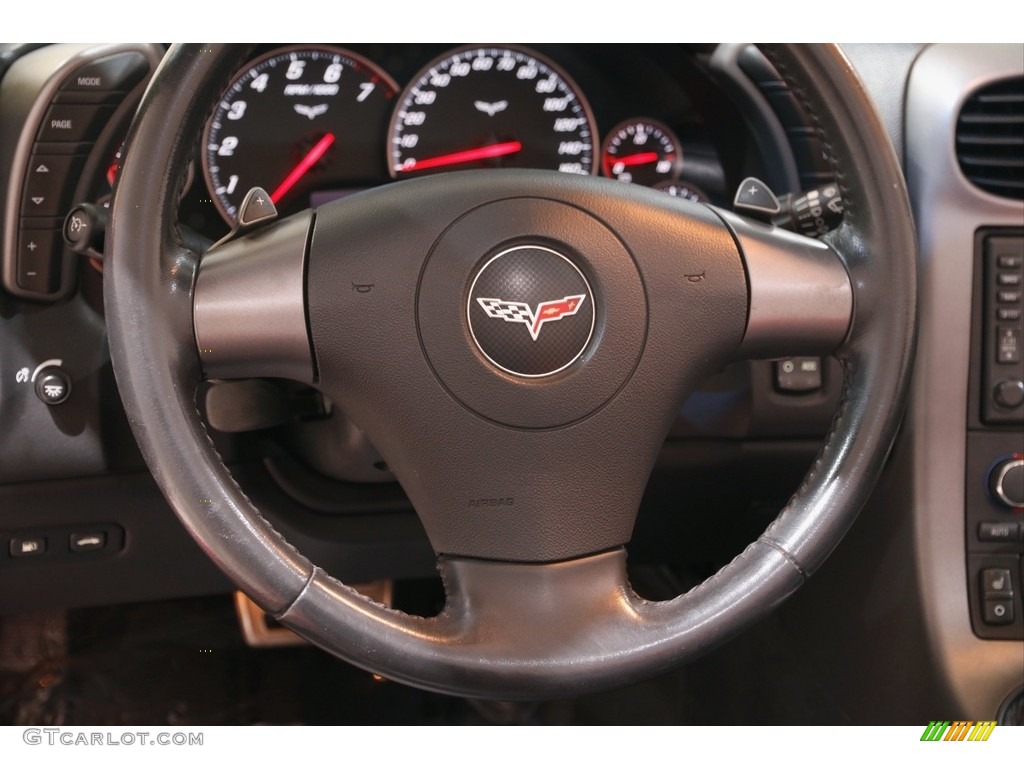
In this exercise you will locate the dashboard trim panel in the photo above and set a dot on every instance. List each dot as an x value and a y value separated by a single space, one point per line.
948 210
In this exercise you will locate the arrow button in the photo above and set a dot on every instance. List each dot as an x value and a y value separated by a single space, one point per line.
49 182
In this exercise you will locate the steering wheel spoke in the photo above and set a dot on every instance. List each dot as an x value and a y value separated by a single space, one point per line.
249 307
801 298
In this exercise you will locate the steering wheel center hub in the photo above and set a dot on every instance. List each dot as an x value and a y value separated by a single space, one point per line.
522 292
531 312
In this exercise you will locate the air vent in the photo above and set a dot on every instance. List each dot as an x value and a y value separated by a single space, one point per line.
990 138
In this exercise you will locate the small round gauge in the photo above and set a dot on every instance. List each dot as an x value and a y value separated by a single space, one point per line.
683 189
641 151
295 121
491 107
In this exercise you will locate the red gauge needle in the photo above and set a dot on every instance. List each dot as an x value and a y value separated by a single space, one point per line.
465 156
638 159
303 167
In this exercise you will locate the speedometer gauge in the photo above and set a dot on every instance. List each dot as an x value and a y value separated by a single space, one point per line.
295 121
491 107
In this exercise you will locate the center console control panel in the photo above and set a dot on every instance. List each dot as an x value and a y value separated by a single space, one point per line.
995 439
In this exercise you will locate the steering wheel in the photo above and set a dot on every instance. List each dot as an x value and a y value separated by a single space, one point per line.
516 344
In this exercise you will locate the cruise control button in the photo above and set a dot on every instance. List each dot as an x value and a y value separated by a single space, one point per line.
73 122
998 612
27 546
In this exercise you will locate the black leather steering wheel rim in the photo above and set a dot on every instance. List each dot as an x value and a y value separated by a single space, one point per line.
483 644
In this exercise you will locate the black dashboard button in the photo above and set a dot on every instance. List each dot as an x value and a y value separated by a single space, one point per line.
49 184
996 582
1008 278
797 375
27 546
38 260
1009 393
998 612
1008 340
53 385
1008 531
73 122
87 541
118 72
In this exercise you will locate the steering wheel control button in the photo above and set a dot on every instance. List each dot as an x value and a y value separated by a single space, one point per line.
73 122
88 541
117 72
797 375
53 386
39 260
531 311
256 208
84 229
754 198
27 546
47 189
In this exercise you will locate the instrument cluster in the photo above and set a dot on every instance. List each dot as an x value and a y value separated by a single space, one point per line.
311 123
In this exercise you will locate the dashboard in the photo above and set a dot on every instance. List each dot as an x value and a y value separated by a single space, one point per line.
82 523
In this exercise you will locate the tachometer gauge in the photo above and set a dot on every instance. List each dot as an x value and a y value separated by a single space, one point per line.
294 121
641 151
491 107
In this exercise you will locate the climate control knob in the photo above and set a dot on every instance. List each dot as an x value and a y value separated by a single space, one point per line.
1006 481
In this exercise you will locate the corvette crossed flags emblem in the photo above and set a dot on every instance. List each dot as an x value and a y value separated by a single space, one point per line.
533 319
